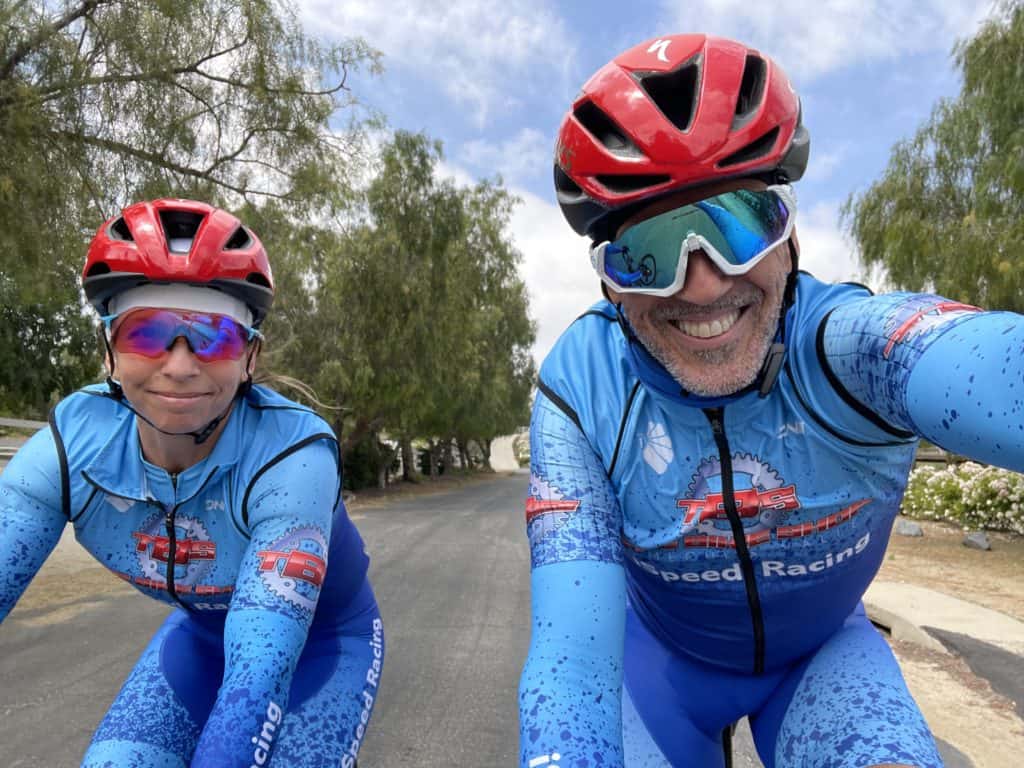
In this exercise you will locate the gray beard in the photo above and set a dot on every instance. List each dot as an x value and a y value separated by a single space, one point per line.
713 357
726 383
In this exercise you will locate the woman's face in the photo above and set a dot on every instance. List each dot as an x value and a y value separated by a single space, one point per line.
176 391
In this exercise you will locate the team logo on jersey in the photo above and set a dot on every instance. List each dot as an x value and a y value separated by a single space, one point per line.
295 565
763 501
547 509
657 447
194 552
925 319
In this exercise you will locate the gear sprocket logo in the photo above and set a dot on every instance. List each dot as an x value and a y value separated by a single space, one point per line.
194 551
294 566
763 501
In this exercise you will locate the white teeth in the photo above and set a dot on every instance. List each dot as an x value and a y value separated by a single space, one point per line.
706 330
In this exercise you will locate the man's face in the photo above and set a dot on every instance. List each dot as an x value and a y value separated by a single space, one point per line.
714 334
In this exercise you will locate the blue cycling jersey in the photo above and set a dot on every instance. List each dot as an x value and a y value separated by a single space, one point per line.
252 544
742 531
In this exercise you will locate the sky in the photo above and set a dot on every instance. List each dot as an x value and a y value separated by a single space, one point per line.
492 81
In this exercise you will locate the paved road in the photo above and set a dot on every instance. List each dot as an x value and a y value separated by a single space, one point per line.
450 571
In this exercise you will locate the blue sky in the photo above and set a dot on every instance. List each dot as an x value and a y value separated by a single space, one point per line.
492 80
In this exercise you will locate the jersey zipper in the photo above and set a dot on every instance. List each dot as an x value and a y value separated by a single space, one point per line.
172 536
169 513
172 545
717 418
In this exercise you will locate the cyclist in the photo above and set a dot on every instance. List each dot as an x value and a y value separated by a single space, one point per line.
720 447
214 495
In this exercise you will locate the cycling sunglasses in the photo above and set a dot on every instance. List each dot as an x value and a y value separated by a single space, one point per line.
151 332
735 229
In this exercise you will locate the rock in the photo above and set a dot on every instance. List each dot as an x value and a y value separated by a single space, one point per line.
907 528
977 540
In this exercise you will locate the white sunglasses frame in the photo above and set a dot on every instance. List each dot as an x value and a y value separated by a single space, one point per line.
695 242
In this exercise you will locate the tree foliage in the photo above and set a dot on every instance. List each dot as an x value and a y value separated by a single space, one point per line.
413 317
948 212
104 102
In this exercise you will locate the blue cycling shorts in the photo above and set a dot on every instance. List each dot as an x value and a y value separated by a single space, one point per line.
157 717
843 706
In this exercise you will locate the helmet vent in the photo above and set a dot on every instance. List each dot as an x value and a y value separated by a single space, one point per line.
751 91
257 279
755 149
601 127
119 230
238 240
180 229
674 93
564 183
626 183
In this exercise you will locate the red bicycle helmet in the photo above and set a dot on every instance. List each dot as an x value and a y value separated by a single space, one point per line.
674 112
178 241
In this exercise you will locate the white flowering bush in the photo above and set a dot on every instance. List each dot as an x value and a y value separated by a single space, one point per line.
969 495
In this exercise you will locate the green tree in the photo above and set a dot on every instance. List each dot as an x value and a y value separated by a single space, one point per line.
948 212
410 315
32 376
103 102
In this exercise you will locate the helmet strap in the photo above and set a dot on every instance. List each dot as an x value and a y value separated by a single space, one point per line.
777 352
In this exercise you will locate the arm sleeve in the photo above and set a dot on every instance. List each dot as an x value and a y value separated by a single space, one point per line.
275 597
945 371
570 689
31 515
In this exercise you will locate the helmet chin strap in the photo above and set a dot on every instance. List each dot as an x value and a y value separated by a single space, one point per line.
199 436
777 352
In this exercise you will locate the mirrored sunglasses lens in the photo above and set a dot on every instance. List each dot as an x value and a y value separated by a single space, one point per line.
152 332
741 225
215 337
144 332
646 256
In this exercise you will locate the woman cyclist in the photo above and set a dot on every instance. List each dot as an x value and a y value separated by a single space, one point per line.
217 496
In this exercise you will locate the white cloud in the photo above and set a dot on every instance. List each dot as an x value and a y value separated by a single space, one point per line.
518 159
825 251
811 40
556 269
481 53
823 165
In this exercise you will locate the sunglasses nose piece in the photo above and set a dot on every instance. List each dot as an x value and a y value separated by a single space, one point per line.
174 342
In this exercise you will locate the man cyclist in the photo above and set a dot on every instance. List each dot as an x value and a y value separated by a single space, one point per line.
720 447
208 493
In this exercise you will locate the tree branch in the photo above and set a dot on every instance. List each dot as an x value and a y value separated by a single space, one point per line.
45 32
160 161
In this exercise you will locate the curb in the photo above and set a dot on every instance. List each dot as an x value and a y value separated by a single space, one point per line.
908 611
901 629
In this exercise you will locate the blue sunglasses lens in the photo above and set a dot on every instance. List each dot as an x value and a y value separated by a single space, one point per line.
739 225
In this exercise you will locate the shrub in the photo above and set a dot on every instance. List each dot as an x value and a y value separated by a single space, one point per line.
969 495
